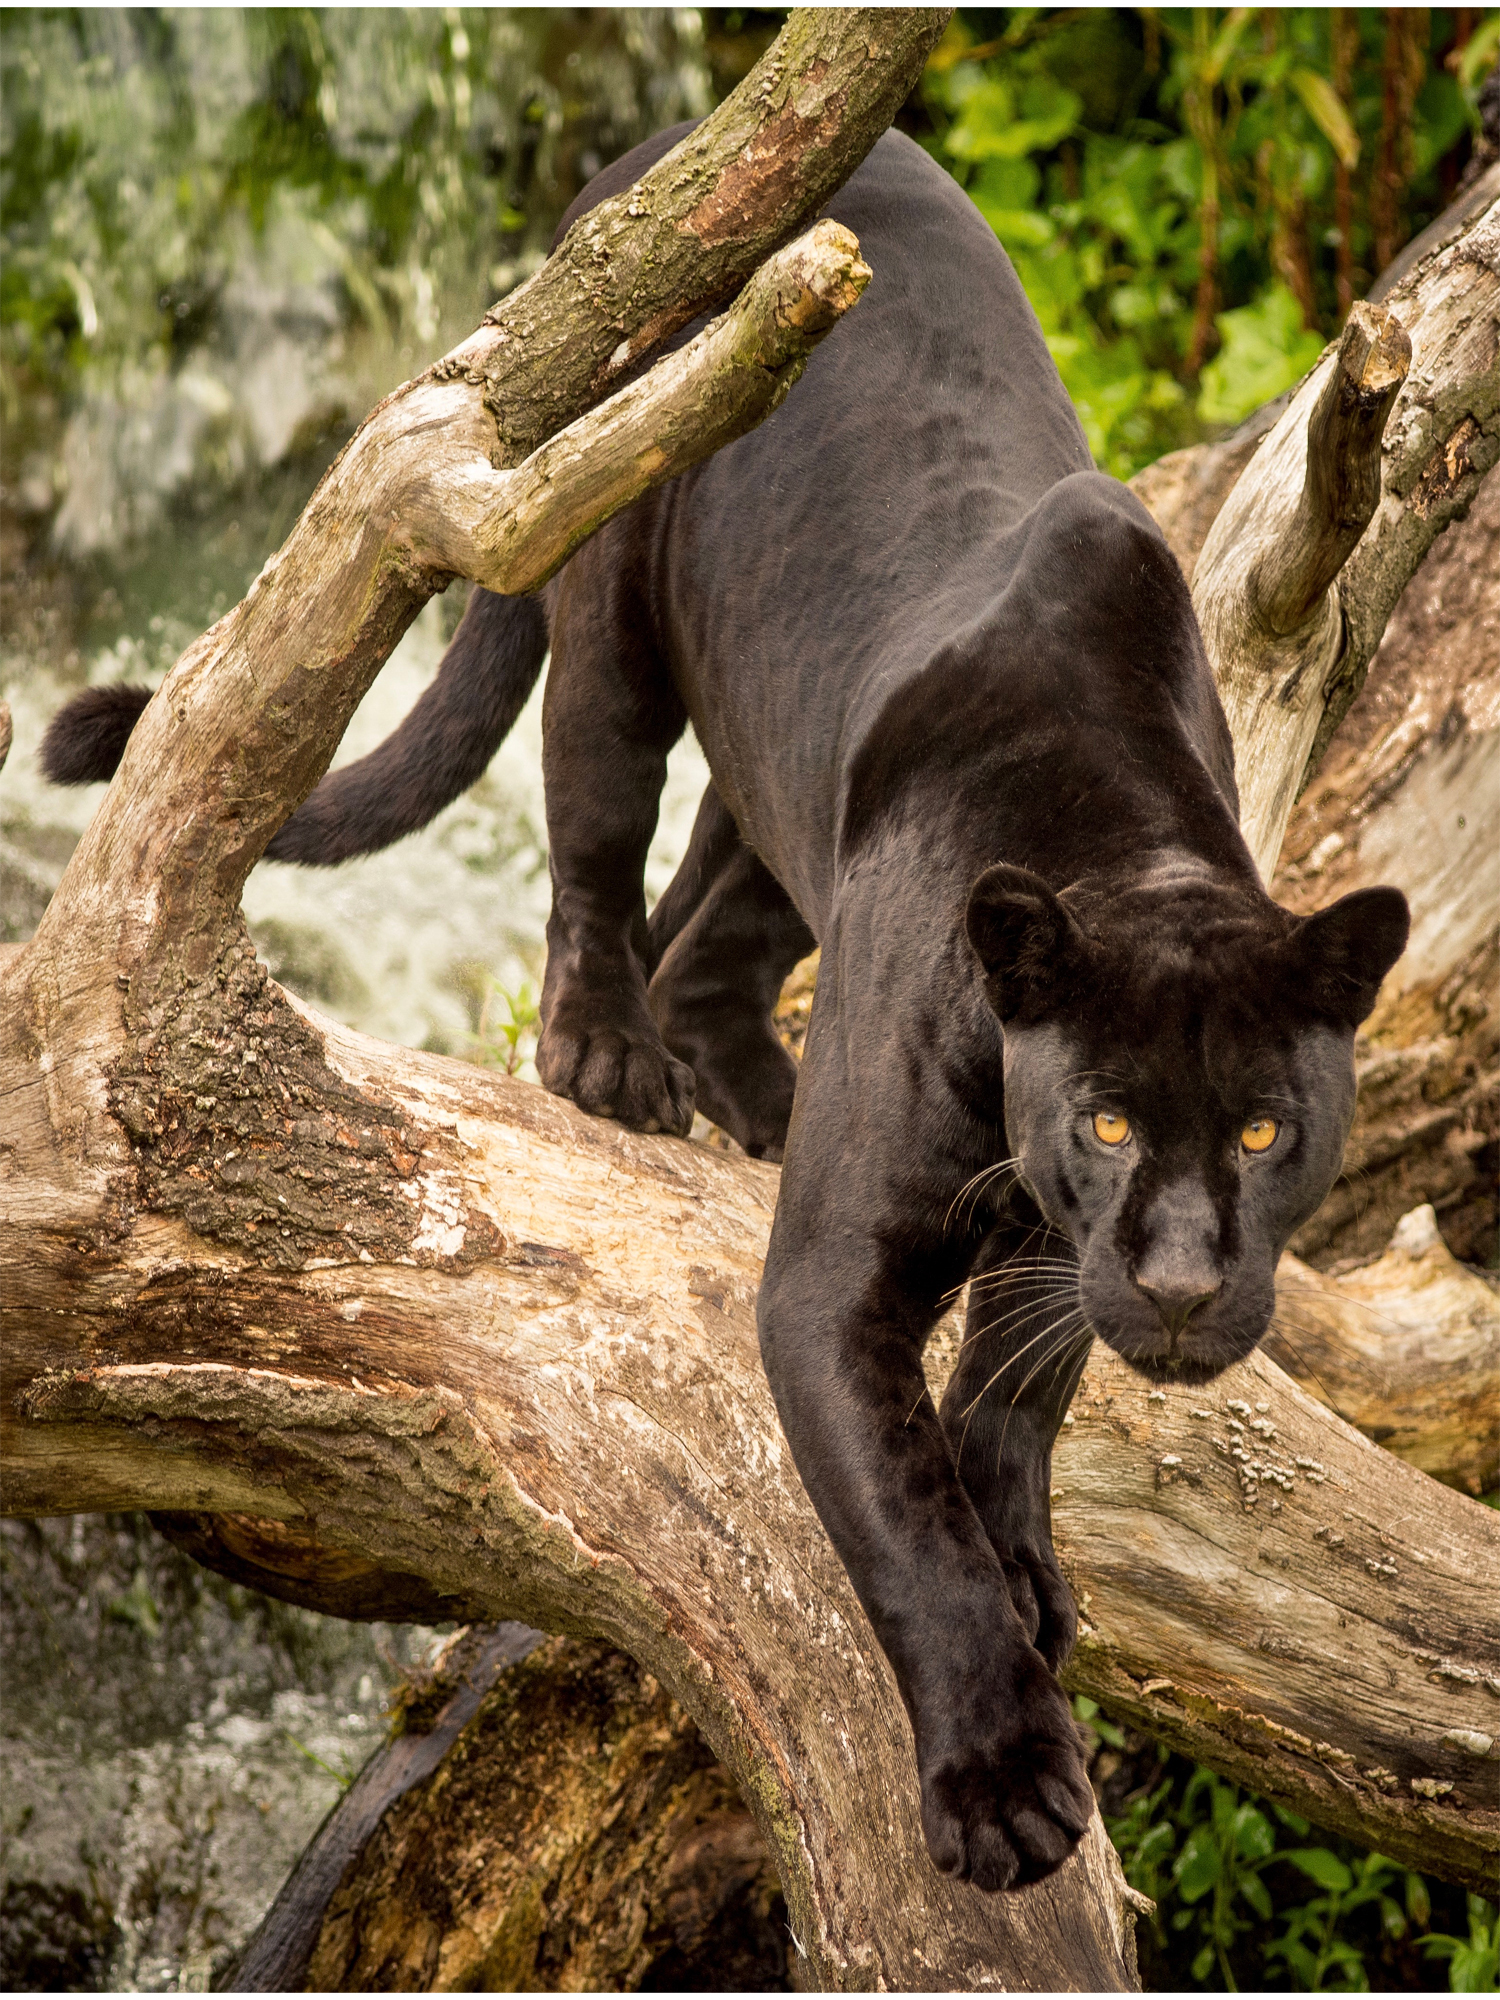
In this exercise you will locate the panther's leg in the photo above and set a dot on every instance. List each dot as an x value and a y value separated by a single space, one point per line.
721 946
857 1266
1024 1348
611 714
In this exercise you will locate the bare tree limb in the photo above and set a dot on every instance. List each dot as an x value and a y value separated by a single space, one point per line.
1407 1349
1268 1591
1285 690
1341 483
689 233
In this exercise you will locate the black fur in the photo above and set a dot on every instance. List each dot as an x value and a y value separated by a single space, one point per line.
963 733
442 747
86 738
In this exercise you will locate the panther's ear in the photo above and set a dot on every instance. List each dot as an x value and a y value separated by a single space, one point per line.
1341 954
1026 941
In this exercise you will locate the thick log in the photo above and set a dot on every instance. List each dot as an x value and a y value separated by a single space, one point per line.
1285 692
1265 1589
543 1395
573 1833
1406 1349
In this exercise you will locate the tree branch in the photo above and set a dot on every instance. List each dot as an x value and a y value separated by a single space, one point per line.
1341 484
1285 687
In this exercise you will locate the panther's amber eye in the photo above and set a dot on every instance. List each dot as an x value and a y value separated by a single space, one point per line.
1258 1134
1111 1128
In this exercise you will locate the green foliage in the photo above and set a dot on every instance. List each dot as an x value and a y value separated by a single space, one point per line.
1473 1962
1247 1893
1167 182
505 1044
223 230
1265 350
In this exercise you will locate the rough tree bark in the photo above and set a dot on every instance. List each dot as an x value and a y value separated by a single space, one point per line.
1290 633
485 1351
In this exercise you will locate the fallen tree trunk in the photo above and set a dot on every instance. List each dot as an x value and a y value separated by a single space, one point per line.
502 1357
1406 1349
544 1397
569 1831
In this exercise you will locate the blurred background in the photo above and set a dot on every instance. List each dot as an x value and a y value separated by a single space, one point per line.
225 235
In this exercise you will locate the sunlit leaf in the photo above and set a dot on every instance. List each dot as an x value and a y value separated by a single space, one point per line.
1265 351
1326 110
1253 1835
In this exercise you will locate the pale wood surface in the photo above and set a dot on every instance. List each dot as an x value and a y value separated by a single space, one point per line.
1284 692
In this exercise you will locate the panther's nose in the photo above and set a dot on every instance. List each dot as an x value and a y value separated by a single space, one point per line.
1178 1300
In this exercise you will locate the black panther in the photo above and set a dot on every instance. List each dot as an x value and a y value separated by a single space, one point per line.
963 735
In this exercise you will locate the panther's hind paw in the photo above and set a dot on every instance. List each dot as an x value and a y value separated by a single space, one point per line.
1042 1600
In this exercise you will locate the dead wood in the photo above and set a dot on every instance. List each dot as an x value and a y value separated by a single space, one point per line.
1341 475
1410 793
1407 1349
449 1330
1285 691
276 1957
569 1830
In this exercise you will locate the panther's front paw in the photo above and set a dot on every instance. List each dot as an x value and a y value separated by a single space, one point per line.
617 1072
1042 1600
1006 1797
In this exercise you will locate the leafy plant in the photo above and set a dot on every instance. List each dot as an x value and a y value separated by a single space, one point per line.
1192 197
1473 1962
1229 1874
506 1044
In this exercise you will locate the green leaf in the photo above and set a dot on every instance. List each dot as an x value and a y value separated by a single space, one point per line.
1320 1866
988 127
1224 43
1253 1836
1418 1901
1199 1865
1017 227
1203 1964
1265 351
1327 112
1479 52
1156 1846
1256 1894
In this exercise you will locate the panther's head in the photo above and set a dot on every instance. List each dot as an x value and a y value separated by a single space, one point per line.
1179 1085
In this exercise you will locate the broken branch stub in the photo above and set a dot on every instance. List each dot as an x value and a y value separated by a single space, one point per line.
1341 487
1284 690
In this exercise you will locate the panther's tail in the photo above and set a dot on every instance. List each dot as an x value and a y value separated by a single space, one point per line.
440 749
